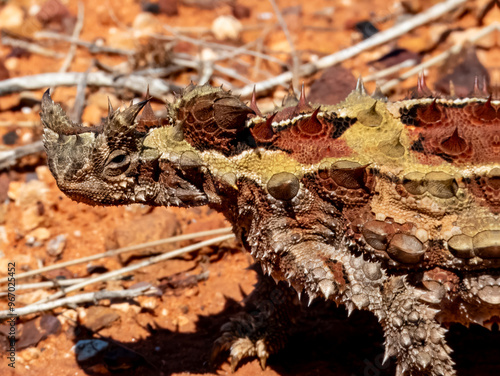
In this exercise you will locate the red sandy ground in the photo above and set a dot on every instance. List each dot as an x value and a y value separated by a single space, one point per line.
175 334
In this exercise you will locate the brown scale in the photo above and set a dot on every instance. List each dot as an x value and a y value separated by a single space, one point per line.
464 134
349 189
486 189
312 139
308 140
148 119
215 121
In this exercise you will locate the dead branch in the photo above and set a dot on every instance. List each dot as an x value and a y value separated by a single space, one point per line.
295 56
390 70
93 48
31 47
115 252
455 49
384 36
157 88
10 157
79 299
139 265
76 34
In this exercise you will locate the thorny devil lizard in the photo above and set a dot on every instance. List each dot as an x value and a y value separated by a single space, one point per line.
388 207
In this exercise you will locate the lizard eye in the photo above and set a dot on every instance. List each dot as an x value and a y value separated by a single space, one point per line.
118 162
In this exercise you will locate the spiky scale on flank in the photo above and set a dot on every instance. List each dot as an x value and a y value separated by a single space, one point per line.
342 202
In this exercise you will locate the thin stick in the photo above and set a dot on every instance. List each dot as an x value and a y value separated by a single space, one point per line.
384 36
78 299
157 88
53 283
20 123
390 70
115 252
455 49
213 45
77 111
31 47
295 56
139 265
92 47
76 34
10 157
46 284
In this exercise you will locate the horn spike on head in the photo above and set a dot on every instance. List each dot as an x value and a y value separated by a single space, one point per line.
110 108
53 116
125 120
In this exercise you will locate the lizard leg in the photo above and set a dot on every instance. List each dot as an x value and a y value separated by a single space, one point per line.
412 333
263 328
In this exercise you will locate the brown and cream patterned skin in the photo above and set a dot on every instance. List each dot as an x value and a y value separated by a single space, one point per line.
388 207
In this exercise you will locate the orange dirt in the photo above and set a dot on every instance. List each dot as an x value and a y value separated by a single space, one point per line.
172 334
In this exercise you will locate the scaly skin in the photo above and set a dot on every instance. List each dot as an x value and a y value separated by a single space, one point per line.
388 207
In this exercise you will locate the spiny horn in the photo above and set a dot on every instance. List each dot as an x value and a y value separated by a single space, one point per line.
54 118
110 108
122 121
303 106
360 86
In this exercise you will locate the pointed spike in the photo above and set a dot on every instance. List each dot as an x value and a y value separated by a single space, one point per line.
350 308
302 98
452 90
378 95
302 106
54 118
253 104
485 86
291 91
311 299
422 89
476 90
360 86
270 119
125 119
110 108
386 356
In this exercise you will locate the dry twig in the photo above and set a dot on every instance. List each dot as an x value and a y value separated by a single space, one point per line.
10 157
295 56
157 88
76 34
115 252
93 48
139 265
430 14
455 49
79 299
31 47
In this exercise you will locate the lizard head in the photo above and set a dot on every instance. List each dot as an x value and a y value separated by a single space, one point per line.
127 160
95 165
